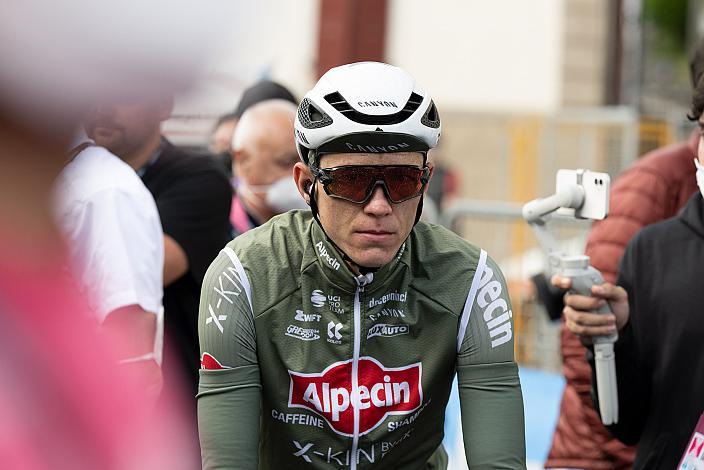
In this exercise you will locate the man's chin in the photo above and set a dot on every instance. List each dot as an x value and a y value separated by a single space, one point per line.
375 258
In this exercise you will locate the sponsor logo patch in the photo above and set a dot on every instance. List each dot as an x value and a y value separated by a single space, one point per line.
381 392
297 418
376 104
334 335
306 317
387 312
317 298
310 451
304 334
386 331
395 296
497 315
398 147
215 319
330 260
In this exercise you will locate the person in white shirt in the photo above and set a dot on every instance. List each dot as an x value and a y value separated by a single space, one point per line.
112 228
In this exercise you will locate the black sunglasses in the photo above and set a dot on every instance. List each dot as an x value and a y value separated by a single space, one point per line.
356 183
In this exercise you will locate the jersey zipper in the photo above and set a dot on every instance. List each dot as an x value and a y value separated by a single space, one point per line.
357 319
355 372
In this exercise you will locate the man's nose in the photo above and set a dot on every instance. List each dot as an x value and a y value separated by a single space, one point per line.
378 204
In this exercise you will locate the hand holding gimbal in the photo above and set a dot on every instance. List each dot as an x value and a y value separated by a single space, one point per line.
580 194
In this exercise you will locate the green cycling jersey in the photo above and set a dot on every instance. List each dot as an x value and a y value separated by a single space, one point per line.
307 365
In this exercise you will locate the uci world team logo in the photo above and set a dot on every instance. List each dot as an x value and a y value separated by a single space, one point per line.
317 298
381 391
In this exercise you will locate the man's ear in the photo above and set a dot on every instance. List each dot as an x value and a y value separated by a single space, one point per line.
304 180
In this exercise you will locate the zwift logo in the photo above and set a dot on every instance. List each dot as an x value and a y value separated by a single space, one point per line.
306 317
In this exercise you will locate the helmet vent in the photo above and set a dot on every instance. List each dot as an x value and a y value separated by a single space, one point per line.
311 117
337 101
431 118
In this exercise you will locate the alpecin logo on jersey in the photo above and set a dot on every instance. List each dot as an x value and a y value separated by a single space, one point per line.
329 259
497 314
381 392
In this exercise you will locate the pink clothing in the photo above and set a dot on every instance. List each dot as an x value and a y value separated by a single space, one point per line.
238 217
64 402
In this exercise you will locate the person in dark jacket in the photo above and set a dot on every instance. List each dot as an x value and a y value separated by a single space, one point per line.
657 309
656 187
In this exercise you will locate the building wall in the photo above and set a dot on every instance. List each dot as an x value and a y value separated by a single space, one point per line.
584 60
499 56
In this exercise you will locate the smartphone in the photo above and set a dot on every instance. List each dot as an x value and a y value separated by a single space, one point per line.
596 193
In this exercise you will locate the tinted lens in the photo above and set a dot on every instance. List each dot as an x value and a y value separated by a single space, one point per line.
403 183
356 183
351 183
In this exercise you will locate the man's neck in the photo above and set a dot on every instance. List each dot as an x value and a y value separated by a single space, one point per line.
142 155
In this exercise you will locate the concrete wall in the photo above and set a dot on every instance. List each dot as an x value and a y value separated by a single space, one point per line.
503 55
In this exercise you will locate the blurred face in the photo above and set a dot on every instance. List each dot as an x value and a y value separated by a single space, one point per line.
258 163
221 138
126 127
370 233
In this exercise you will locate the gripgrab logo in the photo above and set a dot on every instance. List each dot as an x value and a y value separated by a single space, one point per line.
381 392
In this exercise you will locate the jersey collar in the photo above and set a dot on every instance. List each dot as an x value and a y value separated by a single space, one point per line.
322 252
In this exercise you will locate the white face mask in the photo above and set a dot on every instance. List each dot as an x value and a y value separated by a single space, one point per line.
700 175
283 195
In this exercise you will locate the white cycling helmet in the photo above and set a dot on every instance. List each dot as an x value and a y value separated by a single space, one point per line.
365 107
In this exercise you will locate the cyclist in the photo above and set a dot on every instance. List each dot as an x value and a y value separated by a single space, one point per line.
330 337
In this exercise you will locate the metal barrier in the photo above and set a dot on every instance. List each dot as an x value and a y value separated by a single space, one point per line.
537 339
511 159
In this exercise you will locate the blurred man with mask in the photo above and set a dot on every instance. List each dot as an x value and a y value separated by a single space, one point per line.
264 153
224 128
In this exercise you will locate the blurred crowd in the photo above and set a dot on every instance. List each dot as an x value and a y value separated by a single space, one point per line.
107 230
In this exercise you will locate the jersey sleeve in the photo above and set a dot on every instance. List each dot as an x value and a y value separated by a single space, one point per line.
490 390
230 385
